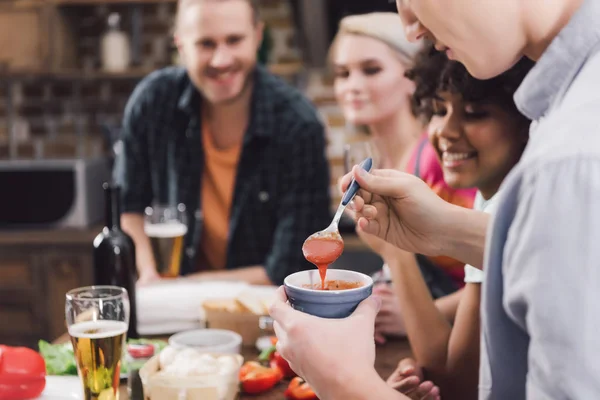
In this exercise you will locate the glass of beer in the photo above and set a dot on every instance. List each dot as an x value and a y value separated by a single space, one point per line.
166 227
97 320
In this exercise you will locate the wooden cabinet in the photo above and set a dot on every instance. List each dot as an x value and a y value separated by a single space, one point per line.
91 2
16 272
34 35
20 36
36 270
69 268
19 309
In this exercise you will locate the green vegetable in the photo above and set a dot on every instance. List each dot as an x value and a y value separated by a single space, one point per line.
59 358
265 355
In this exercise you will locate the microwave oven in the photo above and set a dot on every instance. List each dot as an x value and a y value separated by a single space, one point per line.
52 193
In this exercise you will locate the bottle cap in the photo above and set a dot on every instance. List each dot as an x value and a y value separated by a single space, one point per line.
114 19
110 186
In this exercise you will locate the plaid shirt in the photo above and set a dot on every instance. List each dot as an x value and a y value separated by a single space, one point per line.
281 193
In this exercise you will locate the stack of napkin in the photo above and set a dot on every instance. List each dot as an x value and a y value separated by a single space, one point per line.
175 305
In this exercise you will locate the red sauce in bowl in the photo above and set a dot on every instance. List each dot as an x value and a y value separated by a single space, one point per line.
334 285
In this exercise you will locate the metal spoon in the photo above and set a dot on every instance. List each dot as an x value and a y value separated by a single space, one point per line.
332 231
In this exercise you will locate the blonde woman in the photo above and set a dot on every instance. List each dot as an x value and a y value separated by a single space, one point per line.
369 57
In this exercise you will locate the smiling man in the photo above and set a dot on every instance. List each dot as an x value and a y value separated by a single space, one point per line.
541 302
242 150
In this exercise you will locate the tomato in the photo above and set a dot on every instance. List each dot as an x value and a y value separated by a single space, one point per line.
300 390
22 373
256 378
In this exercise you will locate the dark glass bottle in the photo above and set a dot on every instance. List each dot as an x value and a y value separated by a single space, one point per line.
114 254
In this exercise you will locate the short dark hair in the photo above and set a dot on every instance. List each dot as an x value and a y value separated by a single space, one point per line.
254 4
434 73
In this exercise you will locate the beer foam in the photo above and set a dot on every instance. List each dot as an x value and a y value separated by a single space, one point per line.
165 230
105 329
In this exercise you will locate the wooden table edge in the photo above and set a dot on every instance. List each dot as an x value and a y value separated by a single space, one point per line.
387 359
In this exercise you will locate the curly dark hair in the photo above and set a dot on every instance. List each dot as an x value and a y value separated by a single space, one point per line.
433 73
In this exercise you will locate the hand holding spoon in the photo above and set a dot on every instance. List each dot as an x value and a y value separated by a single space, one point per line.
324 247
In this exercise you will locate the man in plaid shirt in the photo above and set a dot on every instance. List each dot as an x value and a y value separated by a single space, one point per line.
241 149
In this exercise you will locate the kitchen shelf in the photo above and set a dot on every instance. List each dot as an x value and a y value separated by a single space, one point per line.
94 2
21 4
69 74
285 69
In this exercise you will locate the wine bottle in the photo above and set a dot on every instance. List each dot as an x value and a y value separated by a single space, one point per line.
114 254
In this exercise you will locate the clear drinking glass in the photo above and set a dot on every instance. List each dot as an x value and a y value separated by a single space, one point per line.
97 320
355 153
166 227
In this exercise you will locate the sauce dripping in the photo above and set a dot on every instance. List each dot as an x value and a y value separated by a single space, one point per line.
322 251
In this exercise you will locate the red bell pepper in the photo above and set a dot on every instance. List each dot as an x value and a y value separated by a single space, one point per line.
22 373
279 362
276 361
299 390
256 378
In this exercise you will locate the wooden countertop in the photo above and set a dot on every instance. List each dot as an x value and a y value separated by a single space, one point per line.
76 236
352 242
49 236
284 69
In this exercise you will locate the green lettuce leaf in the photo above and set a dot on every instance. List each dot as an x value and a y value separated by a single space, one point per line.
59 358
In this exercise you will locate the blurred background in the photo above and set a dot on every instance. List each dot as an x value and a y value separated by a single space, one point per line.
67 68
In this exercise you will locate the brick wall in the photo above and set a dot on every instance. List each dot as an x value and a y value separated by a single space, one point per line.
156 25
53 107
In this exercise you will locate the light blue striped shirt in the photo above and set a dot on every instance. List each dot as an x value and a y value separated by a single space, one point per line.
541 294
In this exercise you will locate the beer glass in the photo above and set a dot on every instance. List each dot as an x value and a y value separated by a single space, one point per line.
97 320
166 227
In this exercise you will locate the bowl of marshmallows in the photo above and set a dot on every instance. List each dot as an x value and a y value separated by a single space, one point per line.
189 373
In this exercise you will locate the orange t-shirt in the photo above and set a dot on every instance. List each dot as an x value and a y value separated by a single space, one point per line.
218 180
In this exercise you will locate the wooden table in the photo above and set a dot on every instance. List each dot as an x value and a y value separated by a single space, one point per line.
386 361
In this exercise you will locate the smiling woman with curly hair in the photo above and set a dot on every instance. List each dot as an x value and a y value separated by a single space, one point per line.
433 73
369 58
478 135
449 97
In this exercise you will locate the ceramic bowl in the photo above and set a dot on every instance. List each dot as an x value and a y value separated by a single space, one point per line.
208 340
326 303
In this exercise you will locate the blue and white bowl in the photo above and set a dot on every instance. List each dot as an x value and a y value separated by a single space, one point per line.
326 303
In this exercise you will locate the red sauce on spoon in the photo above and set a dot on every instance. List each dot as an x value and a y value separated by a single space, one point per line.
322 251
